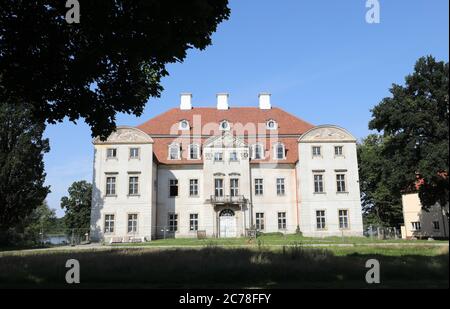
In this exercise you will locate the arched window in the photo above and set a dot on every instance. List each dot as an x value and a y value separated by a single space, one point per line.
184 125
224 125
174 151
258 152
279 151
271 124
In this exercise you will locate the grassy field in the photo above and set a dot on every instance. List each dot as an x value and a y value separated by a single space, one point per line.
210 266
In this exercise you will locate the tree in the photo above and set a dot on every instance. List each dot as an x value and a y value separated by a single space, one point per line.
78 206
21 164
112 61
414 122
40 222
381 201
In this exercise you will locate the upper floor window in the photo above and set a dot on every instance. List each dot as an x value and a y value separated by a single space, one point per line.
259 186
194 152
318 183
134 153
224 125
133 186
111 153
174 152
280 186
111 185
234 186
258 152
218 187
340 183
218 156
193 187
271 124
173 187
316 151
233 156
279 151
338 150
184 125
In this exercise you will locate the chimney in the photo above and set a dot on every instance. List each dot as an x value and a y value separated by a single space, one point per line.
186 101
264 100
222 101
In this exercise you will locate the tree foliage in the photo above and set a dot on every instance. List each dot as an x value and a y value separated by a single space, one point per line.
21 164
381 199
112 61
78 205
415 126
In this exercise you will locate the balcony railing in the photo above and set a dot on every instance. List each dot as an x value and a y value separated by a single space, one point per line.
227 199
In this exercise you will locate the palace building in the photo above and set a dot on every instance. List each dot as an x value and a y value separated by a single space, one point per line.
224 172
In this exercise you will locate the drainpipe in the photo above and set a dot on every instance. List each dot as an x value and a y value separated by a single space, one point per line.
251 193
297 182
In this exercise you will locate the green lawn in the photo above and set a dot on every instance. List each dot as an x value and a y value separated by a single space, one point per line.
296 266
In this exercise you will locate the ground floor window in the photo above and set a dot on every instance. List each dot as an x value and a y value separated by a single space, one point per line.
436 225
193 222
109 223
259 221
173 222
415 225
343 218
281 220
132 223
320 219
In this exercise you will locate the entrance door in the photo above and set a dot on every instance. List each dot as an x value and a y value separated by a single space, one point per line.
227 223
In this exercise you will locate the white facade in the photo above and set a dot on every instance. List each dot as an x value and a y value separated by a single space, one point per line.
225 192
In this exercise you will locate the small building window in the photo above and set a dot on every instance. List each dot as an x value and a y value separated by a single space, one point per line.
259 222
218 187
271 125
234 186
343 219
233 156
194 152
134 153
193 222
340 183
320 219
316 151
111 153
111 185
280 186
279 151
338 151
184 125
173 222
218 156
174 152
109 224
258 152
415 225
281 220
173 187
132 223
224 125
193 187
318 183
133 185
259 186
436 225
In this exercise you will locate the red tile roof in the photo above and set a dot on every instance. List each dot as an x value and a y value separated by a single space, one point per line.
245 122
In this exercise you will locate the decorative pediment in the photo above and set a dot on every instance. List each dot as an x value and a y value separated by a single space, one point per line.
327 133
226 140
126 135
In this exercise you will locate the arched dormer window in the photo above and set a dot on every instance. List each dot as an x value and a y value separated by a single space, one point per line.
224 125
279 151
271 124
258 152
174 151
184 125
194 152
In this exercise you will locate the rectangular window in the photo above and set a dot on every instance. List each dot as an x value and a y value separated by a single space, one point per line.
280 186
320 219
174 152
259 221
173 187
111 153
109 223
318 183
234 187
340 182
280 151
218 156
281 220
218 187
194 152
193 222
257 152
343 219
259 186
338 150
133 187
233 156
132 223
436 225
173 222
415 225
134 153
111 185
316 151
193 187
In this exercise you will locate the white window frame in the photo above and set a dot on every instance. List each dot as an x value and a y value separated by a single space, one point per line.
259 186
174 182
216 157
134 156
345 218
268 126
281 186
231 156
193 187
172 222
275 154
282 220
341 154
314 153
262 151
323 220
180 125
322 182
191 147
134 223
110 188
113 154
218 190
234 187
260 221
109 221
341 184
133 188
221 128
193 222
177 147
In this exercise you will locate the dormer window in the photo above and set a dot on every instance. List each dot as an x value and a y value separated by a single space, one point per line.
224 125
258 152
184 125
194 152
174 152
279 151
271 125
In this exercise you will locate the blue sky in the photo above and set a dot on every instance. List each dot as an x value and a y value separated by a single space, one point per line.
319 59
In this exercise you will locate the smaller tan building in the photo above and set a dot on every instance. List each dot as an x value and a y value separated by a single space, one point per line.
420 223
